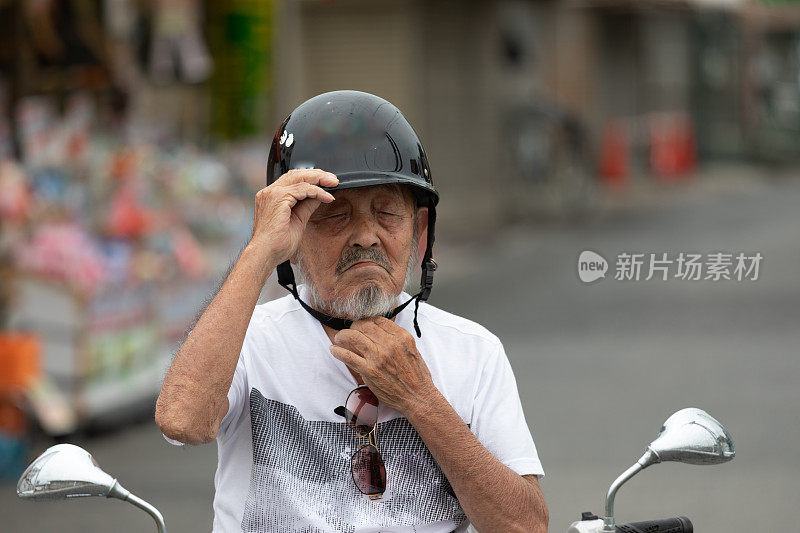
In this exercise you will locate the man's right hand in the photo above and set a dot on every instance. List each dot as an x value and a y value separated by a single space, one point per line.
282 210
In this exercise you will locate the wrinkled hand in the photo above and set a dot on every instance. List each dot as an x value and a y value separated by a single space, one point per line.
283 208
386 356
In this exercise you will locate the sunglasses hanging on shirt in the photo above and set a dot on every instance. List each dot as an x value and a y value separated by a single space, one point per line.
366 465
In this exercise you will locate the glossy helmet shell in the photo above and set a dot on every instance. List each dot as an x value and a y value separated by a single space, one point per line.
358 136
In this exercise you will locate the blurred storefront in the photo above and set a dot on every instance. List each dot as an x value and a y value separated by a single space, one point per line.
126 185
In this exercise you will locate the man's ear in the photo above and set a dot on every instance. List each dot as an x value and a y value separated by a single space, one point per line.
422 229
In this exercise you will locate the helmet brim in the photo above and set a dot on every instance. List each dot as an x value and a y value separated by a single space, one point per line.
352 180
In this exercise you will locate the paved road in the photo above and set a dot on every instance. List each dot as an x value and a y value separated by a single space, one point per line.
599 368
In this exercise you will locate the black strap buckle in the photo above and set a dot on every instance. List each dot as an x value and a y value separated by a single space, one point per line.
428 268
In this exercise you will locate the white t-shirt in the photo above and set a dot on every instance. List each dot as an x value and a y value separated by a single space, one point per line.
284 455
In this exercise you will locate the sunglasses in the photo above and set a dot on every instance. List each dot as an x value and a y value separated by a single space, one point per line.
366 465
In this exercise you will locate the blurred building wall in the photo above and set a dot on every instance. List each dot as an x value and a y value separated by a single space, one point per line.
718 67
458 69
428 58
771 51
443 63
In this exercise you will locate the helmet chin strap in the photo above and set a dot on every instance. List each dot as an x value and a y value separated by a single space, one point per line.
286 280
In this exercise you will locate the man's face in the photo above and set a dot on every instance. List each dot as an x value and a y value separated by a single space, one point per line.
360 243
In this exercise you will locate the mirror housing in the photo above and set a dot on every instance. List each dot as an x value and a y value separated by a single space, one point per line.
64 471
694 437
68 471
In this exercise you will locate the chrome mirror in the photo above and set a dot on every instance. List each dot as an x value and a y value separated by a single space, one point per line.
692 436
68 471
64 471
688 436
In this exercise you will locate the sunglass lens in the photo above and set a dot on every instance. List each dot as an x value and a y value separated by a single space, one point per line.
362 410
369 473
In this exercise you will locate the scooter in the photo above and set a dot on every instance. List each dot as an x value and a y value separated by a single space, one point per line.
689 436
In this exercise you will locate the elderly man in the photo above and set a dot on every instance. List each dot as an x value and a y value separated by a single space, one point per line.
329 414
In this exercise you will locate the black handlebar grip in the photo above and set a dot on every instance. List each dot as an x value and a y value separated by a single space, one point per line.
679 524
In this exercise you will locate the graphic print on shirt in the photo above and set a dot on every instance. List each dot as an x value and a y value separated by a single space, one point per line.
301 479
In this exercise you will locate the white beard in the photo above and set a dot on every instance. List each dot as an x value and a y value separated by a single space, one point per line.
366 301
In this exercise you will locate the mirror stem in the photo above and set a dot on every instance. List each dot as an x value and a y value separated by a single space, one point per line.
649 458
118 491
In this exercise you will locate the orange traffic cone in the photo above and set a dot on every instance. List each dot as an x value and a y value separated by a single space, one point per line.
614 155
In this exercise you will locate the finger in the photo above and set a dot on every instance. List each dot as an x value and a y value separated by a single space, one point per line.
386 325
301 191
303 210
309 175
369 329
352 360
293 177
313 176
393 329
357 342
306 206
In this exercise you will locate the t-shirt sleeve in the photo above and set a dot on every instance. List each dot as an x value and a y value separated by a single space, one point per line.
172 441
497 418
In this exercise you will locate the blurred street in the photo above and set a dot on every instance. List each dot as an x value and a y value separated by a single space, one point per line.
134 137
599 367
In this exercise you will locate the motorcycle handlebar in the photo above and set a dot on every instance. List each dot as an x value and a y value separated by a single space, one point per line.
678 524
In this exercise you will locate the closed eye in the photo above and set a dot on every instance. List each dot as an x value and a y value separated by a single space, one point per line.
329 221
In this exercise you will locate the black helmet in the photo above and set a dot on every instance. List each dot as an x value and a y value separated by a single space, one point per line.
364 140
360 137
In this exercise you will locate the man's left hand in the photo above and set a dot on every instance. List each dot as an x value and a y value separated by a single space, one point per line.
386 356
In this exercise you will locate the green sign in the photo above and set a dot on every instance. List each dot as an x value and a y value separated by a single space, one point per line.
240 39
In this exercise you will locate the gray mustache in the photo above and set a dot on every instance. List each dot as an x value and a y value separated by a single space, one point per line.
352 256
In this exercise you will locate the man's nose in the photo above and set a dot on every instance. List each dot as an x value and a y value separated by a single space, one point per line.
364 233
